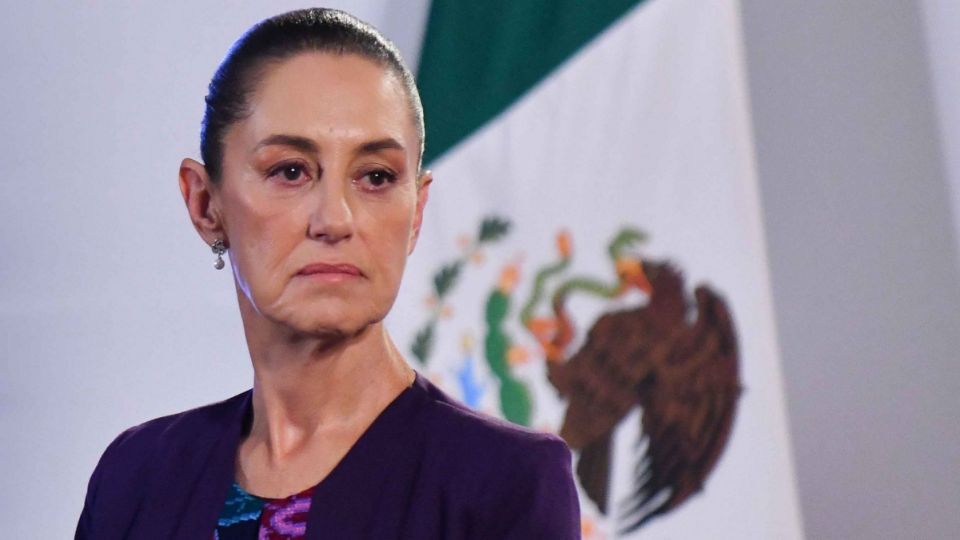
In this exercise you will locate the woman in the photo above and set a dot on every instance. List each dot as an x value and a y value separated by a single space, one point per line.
312 143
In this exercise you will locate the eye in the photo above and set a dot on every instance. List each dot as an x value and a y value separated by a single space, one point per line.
292 172
289 172
379 178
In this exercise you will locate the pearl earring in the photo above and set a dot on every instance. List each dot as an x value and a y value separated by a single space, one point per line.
219 248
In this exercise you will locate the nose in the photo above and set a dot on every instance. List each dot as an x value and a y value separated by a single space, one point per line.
331 219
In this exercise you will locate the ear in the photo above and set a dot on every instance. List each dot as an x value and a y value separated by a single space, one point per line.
200 197
423 193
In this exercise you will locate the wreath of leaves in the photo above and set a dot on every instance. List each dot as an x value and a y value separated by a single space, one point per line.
445 279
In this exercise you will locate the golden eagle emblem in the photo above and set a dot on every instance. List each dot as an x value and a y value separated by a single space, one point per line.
675 356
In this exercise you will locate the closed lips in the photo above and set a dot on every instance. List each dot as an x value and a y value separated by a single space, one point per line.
322 268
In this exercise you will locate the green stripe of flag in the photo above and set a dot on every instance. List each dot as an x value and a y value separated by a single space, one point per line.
479 56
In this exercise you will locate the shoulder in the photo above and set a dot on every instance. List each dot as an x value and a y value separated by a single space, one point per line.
521 482
453 425
119 479
139 442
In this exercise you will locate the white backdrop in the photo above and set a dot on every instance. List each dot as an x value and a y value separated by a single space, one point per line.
863 257
942 21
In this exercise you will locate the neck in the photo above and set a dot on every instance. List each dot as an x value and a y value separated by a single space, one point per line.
307 386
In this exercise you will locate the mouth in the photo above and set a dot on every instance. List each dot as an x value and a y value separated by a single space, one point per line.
330 271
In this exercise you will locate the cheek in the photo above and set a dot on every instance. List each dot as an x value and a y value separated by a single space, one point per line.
262 234
390 232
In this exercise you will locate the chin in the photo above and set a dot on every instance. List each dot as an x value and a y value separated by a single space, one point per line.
328 315
341 325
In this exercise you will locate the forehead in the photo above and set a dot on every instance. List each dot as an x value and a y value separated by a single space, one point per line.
327 96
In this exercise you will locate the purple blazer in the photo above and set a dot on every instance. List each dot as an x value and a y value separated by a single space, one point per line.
428 467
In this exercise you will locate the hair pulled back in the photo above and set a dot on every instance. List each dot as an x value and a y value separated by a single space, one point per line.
279 38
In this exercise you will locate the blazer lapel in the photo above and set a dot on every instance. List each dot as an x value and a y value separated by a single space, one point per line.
349 502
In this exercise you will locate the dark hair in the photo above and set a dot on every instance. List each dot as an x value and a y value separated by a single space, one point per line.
279 38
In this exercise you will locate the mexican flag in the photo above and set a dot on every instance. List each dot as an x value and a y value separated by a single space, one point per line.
592 259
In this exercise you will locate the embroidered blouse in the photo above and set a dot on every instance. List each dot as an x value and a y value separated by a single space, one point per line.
248 517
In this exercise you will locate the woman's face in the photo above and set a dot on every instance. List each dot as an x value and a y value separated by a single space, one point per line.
319 201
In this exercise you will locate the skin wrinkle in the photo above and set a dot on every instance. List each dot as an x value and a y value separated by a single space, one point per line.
324 366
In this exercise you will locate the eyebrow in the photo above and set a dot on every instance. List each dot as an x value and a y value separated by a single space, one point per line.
307 145
372 147
295 141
